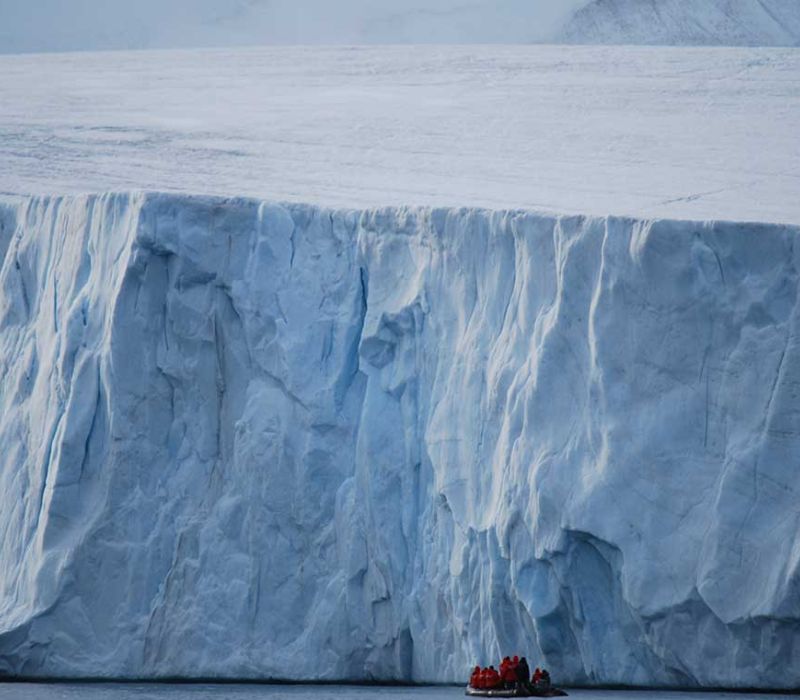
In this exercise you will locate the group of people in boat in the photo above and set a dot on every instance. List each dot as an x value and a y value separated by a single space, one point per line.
513 673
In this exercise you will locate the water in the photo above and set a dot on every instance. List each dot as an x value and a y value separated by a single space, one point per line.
158 691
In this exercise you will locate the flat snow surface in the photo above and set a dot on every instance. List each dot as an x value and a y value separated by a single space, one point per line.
646 132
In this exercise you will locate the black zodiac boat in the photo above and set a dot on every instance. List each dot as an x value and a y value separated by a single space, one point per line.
520 692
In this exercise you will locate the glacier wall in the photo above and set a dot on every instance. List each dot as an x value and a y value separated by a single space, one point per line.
237 434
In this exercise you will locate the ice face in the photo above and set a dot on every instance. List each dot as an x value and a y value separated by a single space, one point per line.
243 439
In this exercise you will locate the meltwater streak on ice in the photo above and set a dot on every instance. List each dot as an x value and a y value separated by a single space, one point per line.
238 434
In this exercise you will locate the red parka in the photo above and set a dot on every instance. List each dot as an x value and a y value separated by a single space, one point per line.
510 675
504 664
475 678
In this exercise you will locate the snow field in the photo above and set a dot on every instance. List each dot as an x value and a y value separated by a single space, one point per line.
651 133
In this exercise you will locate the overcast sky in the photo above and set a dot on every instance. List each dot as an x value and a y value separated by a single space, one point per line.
57 25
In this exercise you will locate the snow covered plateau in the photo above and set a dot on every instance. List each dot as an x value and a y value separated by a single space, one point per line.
647 132
362 407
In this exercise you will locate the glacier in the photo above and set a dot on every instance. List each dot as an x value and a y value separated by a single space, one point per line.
397 441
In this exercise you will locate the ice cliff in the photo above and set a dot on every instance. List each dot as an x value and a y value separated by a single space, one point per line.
395 443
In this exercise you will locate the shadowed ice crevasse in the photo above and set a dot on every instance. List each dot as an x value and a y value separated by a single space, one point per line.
394 443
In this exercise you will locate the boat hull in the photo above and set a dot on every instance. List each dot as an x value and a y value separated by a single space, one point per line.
515 693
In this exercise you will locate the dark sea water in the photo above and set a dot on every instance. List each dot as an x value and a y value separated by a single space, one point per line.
126 691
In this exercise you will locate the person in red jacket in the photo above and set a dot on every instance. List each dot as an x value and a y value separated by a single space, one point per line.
509 676
475 678
493 677
537 676
504 665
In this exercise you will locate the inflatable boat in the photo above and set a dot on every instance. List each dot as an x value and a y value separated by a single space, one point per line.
521 692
